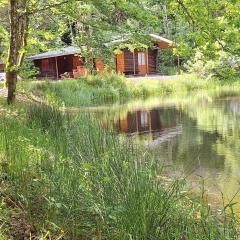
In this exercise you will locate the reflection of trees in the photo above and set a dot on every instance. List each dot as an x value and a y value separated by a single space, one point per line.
193 149
220 119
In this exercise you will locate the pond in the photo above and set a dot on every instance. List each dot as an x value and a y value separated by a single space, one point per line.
199 137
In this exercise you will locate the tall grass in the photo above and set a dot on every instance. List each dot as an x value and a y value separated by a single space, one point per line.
74 180
108 88
90 90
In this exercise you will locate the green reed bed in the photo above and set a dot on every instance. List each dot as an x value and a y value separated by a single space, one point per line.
70 179
108 88
90 90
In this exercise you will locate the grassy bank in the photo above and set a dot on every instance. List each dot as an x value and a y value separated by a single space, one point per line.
64 177
93 90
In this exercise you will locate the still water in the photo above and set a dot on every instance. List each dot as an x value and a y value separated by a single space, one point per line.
198 137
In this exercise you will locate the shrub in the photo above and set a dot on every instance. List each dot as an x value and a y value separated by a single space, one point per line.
166 62
28 70
224 66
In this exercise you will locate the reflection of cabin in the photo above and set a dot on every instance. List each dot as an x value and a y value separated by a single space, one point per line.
140 121
1 66
149 121
53 64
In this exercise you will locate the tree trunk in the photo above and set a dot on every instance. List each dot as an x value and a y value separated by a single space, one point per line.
19 20
11 81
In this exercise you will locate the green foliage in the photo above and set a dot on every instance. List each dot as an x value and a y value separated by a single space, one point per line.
209 22
166 62
223 66
28 71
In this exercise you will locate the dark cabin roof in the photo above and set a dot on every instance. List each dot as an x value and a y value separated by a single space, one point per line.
56 53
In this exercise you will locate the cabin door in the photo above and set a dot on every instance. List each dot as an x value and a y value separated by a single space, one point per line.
142 66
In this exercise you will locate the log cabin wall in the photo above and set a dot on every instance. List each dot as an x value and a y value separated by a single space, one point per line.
76 62
47 67
125 62
152 61
120 66
128 62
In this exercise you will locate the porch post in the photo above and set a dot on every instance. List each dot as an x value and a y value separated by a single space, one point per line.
178 67
116 63
147 61
134 63
57 72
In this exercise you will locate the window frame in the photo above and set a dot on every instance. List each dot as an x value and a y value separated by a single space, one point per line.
141 59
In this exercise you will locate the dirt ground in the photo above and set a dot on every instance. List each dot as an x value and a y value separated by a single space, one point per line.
20 97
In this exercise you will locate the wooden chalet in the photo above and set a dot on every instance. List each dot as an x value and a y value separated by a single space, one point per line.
141 62
67 62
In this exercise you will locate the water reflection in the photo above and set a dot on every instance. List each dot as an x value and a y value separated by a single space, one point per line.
198 138
158 122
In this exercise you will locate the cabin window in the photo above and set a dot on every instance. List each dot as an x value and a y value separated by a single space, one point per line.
141 58
144 119
45 65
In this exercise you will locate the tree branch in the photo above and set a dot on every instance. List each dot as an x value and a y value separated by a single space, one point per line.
182 5
32 12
